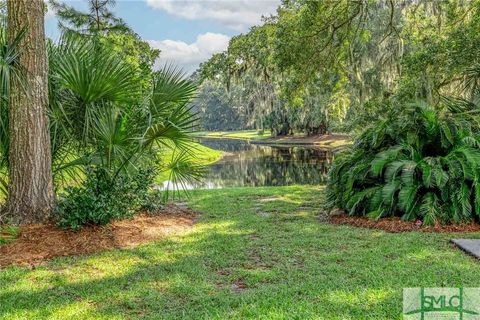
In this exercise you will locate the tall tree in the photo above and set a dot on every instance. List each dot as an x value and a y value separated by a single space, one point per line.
31 196
98 20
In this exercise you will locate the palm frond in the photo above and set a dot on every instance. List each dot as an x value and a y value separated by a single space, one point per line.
426 161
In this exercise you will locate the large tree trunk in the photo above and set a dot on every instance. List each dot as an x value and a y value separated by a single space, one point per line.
31 196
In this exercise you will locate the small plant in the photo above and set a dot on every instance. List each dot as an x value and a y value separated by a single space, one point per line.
8 234
421 162
102 199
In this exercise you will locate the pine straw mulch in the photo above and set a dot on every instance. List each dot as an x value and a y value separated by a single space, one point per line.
37 243
393 224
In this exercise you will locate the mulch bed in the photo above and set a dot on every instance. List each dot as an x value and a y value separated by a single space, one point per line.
395 224
37 243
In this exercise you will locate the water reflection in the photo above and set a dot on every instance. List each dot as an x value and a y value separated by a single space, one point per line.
246 164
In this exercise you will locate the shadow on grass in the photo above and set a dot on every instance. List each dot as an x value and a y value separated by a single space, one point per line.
241 264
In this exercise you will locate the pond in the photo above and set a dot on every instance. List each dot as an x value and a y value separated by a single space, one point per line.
248 164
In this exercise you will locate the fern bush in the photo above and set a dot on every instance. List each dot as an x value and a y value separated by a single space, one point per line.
421 162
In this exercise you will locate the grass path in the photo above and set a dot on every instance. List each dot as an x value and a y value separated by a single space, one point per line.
255 253
241 134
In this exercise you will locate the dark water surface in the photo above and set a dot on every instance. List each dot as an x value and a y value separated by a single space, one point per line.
246 164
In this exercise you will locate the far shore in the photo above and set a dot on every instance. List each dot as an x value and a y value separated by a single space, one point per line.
324 141
334 140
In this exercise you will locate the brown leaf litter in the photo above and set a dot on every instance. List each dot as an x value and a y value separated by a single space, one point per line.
37 243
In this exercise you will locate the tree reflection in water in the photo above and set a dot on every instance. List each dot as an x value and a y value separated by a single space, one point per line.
246 164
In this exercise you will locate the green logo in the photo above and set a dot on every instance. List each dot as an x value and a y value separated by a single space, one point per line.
441 303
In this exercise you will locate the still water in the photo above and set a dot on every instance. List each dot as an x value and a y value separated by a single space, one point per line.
247 164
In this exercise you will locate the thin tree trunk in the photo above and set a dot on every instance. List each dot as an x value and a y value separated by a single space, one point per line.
31 196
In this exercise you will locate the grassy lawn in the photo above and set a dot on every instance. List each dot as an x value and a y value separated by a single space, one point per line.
203 155
242 134
255 253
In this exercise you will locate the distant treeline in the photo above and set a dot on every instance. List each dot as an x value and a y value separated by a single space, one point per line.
319 66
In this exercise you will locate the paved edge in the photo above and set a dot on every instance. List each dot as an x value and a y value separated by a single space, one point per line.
470 246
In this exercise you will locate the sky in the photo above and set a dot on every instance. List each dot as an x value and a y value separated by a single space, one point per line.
187 32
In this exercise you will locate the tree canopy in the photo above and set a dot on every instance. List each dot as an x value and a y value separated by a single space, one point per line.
318 66
101 24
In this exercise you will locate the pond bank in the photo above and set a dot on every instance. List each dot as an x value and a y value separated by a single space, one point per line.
254 136
322 141
241 134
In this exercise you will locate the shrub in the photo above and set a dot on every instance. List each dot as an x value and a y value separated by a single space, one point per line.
420 163
100 199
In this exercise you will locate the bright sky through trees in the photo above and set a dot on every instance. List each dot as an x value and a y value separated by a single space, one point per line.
187 32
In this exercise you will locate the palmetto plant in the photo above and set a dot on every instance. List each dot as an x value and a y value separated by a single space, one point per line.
97 108
420 163
100 116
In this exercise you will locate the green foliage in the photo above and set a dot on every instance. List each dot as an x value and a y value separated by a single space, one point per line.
9 69
134 51
103 118
100 199
249 256
218 108
111 31
98 19
420 162
319 66
8 234
98 115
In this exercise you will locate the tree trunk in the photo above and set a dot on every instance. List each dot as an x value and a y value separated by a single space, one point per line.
284 129
31 196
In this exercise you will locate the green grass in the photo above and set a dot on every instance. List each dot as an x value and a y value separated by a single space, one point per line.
242 134
257 253
203 156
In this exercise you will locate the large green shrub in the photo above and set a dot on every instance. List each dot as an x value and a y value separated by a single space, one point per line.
100 199
420 162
